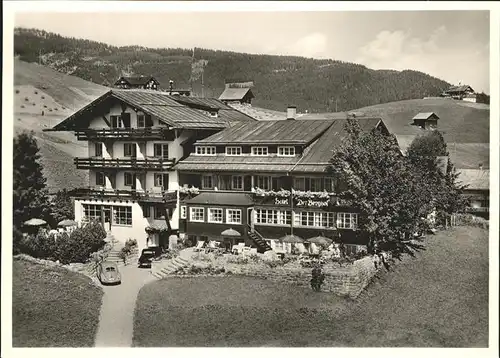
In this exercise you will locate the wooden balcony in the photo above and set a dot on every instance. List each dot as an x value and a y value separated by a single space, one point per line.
168 197
125 133
149 163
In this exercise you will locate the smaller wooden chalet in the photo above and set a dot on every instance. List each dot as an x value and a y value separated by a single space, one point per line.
477 191
267 179
426 120
458 92
237 92
137 82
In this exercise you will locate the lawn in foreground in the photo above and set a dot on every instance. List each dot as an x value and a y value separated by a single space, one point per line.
53 307
438 299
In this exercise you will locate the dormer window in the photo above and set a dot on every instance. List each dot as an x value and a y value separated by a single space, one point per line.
233 151
260 151
286 151
205 150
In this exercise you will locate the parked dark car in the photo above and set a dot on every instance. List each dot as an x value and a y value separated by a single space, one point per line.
108 273
147 256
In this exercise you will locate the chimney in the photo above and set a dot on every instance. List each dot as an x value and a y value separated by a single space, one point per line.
291 112
171 86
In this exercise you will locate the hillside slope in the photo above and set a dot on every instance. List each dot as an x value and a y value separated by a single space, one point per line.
42 98
312 85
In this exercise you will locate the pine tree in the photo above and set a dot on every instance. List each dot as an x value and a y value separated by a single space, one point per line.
30 199
61 207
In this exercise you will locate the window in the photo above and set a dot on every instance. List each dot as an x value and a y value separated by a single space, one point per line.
330 185
161 180
207 182
286 151
197 214
159 213
128 179
125 120
260 151
183 211
237 182
215 215
204 150
299 183
146 211
347 220
98 149
92 212
141 121
262 182
129 150
316 184
233 151
315 219
161 150
100 179
272 217
115 121
122 215
233 216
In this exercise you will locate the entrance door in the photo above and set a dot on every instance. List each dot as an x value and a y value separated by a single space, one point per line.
107 217
250 220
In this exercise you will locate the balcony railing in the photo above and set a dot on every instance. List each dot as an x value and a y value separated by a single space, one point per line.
477 210
163 196
125 133
125 163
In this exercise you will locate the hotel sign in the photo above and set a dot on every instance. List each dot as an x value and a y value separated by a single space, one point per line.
305 203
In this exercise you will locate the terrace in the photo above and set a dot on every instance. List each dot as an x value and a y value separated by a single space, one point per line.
124 163
163 196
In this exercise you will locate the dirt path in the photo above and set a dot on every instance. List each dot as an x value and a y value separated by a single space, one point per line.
117 310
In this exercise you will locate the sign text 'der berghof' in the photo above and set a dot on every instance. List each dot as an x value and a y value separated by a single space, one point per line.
300 202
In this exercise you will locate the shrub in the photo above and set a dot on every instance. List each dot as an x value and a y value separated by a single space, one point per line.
131 243
317 278
82 242
40 246
471 220
240 260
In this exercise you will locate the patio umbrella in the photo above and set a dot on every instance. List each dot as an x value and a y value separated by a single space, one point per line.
67 222
293 239
320 240
230 232
35 222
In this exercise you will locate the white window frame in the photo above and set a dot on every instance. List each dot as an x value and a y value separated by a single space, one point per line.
192 210
233 187
234 151
213 211
260 151
315 219
318 181
162 147
341 221
94 211
162 176
125 178
117 218
329 184
212 179
183 212
205 150
143 118
273 217
269 182
229 216
286 151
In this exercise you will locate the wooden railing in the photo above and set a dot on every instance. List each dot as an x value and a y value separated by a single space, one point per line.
165 196
124 163
128 133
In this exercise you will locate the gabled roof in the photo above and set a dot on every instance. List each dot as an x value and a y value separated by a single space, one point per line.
269 132
154 103
235 94
476 179
136 80
461 88
426 115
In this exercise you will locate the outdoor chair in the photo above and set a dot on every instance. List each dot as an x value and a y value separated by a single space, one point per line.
199 246
238 249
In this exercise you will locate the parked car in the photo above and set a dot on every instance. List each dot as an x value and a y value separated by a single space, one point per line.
147 256
108 273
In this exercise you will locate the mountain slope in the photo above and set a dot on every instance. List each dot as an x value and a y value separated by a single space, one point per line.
42 98
313 85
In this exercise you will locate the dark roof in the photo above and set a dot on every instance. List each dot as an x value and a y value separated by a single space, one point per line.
426 115
136 80
222 198
235 94
158 104
269 132
461 88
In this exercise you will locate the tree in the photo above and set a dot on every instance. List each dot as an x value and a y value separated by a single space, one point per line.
30 199
61 206
444 189
384 186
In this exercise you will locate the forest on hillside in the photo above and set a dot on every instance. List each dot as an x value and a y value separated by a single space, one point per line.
310 84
